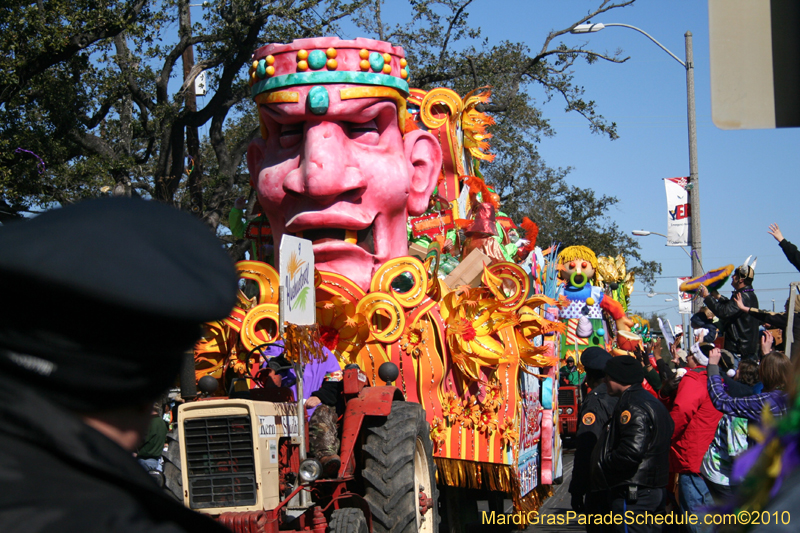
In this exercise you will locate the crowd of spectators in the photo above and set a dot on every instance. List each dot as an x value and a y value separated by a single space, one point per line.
680 422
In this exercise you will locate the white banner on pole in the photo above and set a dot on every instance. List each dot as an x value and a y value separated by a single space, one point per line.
684 298
297 280
200 84
666 331
678 212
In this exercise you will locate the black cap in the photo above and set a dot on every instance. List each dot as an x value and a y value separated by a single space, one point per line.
625 370
104 296
595 358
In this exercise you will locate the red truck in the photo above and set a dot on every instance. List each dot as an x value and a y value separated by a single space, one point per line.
569 403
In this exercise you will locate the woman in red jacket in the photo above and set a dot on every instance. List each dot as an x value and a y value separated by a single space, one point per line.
696 420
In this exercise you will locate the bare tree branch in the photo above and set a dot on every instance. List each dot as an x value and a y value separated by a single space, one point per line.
453 22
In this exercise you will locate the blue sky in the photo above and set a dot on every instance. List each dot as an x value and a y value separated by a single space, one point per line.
747 178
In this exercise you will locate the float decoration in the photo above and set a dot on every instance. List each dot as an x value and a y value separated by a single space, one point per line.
713 280
612 273
482 360
641 327
470 397
303 343
591 313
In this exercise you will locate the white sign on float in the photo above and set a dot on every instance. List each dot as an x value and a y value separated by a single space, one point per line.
299 300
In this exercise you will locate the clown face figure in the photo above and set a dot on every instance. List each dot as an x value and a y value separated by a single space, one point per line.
584 314
335 164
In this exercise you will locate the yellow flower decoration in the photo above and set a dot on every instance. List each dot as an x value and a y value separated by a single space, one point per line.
338 316
613 270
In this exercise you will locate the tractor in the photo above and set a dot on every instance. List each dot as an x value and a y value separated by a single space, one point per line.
240 462
569 401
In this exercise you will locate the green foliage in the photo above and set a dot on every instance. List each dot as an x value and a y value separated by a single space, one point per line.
93 89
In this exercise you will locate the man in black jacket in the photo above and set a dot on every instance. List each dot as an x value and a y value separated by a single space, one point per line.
789 249
740 330
631 458
596 409
102 299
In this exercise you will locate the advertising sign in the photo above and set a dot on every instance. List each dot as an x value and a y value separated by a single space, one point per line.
297 281
684 299
678 212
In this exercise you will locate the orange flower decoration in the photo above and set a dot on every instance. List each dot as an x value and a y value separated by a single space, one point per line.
494 395
508 435
339 315
413 340
471 417
488 419
438 437
452 408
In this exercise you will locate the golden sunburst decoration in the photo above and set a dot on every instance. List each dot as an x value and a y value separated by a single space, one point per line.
294 264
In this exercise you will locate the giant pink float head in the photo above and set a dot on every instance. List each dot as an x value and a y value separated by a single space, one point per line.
334 164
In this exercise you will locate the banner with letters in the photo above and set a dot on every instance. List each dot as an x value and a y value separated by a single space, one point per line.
678 212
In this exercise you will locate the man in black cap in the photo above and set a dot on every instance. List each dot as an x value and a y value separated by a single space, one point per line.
101 299
631 458
596 409
741 331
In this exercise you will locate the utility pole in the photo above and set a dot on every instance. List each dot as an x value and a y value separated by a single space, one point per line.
694 180
193 167
694 193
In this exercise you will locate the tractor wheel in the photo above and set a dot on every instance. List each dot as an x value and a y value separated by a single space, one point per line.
348 520
173 482
399 473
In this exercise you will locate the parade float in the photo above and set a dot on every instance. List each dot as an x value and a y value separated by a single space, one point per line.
415 264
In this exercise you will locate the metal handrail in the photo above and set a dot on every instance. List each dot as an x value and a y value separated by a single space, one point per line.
794 288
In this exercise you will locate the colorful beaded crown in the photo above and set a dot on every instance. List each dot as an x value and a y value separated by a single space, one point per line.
328 60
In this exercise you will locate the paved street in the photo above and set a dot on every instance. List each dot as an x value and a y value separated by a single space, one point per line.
558 503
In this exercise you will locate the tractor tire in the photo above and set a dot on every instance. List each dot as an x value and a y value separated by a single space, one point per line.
348 520
173 481
398 465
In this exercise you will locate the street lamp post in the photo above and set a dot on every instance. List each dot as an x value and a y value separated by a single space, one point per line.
694 179
643 233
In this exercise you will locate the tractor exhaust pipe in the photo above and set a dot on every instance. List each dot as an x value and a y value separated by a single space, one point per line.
187 377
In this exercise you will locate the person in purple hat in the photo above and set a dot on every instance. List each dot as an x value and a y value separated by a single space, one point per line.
322 394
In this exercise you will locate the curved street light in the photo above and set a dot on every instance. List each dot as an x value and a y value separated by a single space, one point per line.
694 182
651 294
644 233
